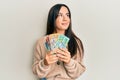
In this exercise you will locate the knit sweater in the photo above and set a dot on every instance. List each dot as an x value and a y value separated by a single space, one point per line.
70 71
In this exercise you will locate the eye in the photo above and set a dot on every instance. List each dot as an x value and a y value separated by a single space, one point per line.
60 14
68 14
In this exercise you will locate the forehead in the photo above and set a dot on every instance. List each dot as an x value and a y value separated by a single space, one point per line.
63 9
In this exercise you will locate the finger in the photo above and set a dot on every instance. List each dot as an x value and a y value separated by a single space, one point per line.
53 59
50 56
64 49
61 56
61 52
51 53
64 60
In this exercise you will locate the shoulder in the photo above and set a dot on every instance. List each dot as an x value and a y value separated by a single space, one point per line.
41 40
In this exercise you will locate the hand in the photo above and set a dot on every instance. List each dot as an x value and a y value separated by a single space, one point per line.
64 55
50 58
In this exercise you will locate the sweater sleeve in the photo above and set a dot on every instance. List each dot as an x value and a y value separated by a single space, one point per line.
76 67
38 67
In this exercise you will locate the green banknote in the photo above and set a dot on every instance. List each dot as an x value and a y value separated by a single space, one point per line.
56 41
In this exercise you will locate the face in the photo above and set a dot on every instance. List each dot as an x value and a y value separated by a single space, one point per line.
63 20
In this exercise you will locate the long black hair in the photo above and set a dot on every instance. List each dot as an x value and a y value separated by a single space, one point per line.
74 43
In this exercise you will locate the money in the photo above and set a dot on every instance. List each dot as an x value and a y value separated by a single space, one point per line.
62 41
47 44
56 41
53 39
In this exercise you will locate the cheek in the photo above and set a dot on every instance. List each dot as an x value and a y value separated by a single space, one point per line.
58 22
69 20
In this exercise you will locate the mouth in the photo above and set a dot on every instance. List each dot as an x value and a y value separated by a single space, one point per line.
64 24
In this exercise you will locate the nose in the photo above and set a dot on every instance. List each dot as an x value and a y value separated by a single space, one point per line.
65 17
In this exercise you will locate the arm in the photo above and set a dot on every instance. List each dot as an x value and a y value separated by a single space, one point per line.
75 67
39 68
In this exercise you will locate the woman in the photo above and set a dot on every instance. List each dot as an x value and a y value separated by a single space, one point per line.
66 63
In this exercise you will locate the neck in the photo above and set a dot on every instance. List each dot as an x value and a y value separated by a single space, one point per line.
60 31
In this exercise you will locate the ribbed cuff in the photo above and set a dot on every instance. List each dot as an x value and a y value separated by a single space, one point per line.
71 63
43 66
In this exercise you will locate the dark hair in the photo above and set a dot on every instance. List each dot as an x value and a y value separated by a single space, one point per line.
74 40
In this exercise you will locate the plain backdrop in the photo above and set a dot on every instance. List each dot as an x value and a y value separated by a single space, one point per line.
95 22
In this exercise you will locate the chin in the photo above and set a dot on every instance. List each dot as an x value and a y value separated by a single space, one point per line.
65 27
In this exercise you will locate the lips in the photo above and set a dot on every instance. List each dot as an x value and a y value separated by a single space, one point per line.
64 24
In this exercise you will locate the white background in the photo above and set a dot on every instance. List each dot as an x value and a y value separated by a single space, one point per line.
96 22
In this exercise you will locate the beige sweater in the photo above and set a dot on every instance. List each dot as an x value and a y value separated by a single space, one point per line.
54 71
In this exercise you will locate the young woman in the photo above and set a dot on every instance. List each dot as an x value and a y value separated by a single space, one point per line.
66 63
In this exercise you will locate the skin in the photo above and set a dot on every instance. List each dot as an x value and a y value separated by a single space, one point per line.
62 23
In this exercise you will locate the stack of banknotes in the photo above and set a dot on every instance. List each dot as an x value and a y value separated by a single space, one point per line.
56 41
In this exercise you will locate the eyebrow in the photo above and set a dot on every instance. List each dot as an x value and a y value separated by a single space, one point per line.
62 13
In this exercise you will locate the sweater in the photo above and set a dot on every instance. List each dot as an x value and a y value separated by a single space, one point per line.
70 71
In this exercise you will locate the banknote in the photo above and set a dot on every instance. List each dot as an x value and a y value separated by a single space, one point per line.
53 39
62 41
47 44
56 41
